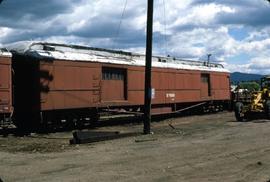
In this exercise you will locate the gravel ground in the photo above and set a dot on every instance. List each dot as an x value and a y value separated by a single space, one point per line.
196 148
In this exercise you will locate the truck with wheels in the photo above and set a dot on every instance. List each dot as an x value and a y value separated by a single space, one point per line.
254 103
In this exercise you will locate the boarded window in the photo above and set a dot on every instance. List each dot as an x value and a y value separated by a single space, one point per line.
112 74
205 78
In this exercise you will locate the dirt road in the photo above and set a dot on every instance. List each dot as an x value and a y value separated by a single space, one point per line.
200 148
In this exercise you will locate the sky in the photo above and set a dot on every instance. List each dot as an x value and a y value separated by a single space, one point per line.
235 32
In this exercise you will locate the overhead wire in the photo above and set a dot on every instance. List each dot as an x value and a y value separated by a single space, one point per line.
161 13
120 24
165 28
165 46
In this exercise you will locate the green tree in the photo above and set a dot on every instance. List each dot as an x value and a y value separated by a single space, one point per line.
250 86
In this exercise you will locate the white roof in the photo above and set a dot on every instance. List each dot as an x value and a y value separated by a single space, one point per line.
5 53
91 54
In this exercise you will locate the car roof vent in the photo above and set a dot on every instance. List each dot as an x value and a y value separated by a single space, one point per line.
48 48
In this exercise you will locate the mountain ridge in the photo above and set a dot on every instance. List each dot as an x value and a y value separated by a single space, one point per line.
237 77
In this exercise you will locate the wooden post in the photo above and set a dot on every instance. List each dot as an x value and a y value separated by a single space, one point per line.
148 68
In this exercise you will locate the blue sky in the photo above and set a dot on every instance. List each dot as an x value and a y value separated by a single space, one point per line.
235 32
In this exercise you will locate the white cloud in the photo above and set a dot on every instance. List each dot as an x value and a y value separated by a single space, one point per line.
194 28
200 42
4 31
255 46
238 67
258 65
202 15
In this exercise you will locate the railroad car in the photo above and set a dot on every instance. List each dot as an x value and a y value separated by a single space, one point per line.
6 108
66 83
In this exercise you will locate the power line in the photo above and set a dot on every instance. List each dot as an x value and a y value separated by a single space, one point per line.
120 22
165 28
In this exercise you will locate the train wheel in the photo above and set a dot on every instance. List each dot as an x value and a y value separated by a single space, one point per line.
267 109
238 110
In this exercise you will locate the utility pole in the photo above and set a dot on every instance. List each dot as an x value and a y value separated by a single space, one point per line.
148 68
208 59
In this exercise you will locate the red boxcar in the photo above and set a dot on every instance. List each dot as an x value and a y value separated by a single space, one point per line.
60 82
6 108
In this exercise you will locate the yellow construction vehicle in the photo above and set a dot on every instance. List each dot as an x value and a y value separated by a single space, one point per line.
256 102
